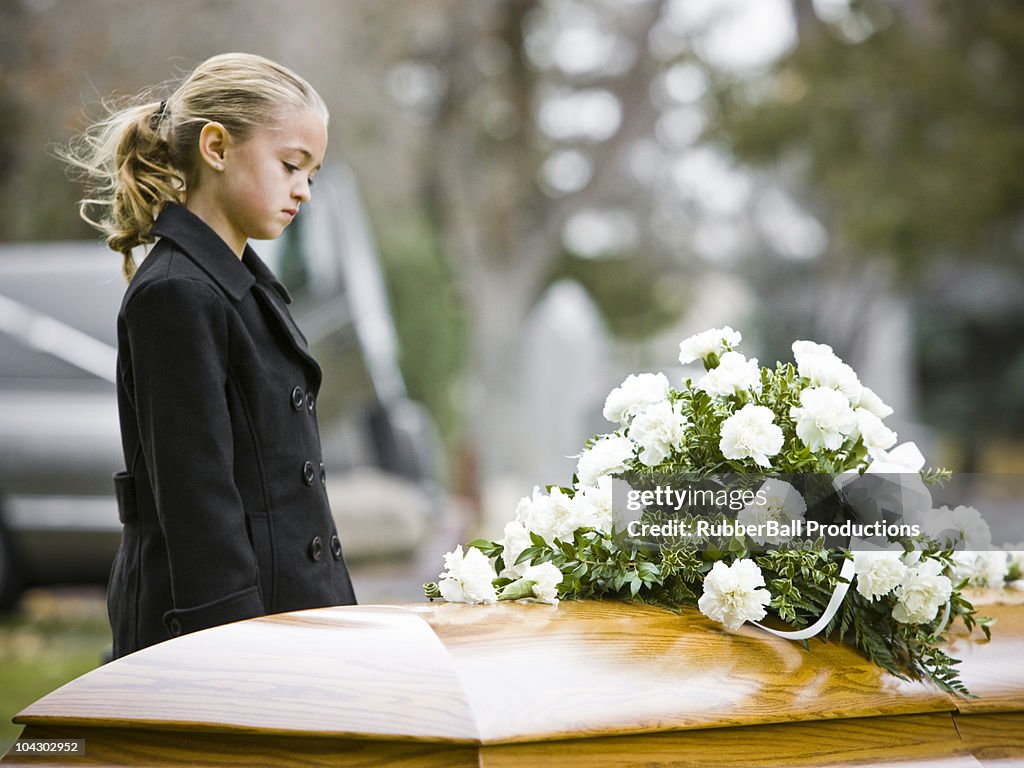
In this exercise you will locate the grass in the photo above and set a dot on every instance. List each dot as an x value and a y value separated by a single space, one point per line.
52 637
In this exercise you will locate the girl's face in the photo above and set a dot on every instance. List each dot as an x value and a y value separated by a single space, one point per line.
268 176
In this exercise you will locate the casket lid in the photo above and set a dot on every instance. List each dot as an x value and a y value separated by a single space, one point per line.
506 673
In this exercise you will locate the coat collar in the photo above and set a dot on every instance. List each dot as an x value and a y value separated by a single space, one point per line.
210 253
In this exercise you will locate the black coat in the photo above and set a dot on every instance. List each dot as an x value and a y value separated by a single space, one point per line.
223 502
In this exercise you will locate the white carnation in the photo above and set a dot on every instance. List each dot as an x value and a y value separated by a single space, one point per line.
634 394
964 527
878 573
593 505
805 349
783 504
905 458
923 591
607 456
545 577
751 433
467 578
537 514
871 402
713 342
658 430
876 436
824 418
823 368
733 374
981 568
734 594
517 538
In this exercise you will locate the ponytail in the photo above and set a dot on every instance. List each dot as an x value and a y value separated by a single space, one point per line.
144 155
125 161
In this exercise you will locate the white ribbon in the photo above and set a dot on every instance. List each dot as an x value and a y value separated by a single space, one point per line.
838 595
830 610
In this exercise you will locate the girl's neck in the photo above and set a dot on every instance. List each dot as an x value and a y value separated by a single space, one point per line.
214 217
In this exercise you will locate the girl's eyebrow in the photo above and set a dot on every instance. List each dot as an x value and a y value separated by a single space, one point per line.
305 152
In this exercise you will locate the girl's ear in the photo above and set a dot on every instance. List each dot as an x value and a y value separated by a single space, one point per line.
213 144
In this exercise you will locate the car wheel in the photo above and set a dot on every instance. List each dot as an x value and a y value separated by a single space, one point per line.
10 584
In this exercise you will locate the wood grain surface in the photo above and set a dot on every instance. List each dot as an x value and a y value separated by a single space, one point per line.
356 671
993 670
912 741
909 742
591 669
581 684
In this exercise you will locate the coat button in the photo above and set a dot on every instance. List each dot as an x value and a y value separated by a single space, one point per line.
176 628
308 473
298 398
316 549
323 475
335 547
310 402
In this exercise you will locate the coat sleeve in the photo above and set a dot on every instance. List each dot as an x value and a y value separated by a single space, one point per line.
179 340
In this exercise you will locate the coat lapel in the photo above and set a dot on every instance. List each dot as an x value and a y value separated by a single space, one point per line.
269 298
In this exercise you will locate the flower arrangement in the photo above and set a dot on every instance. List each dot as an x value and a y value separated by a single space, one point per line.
763 428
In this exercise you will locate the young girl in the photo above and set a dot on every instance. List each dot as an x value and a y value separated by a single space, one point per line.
223 500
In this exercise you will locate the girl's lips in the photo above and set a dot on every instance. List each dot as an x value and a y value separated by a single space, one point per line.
291 211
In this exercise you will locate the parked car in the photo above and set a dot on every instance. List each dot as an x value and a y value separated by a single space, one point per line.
59 438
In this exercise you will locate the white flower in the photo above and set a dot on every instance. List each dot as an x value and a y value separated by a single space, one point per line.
805 349
878 573
871 402
536 514
593 505
549 516
467 578
545 577
713 342
733 374
783 504
966 524
751 433
517 538
981 568
876 436
658 430
905 458
823 368
824 418
922 593
607 456
557 516
634 395
734 594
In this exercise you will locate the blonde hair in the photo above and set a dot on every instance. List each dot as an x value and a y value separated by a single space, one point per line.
144 153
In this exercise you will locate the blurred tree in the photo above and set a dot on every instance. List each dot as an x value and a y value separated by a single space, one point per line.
901 124
909 117
511 160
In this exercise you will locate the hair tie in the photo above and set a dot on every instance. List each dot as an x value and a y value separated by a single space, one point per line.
157 118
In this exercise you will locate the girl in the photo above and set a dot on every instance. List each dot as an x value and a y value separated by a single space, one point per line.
223 500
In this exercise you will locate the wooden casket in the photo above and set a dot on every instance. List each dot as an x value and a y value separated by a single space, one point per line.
580 684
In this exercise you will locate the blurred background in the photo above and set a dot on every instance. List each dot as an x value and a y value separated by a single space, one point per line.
556 192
